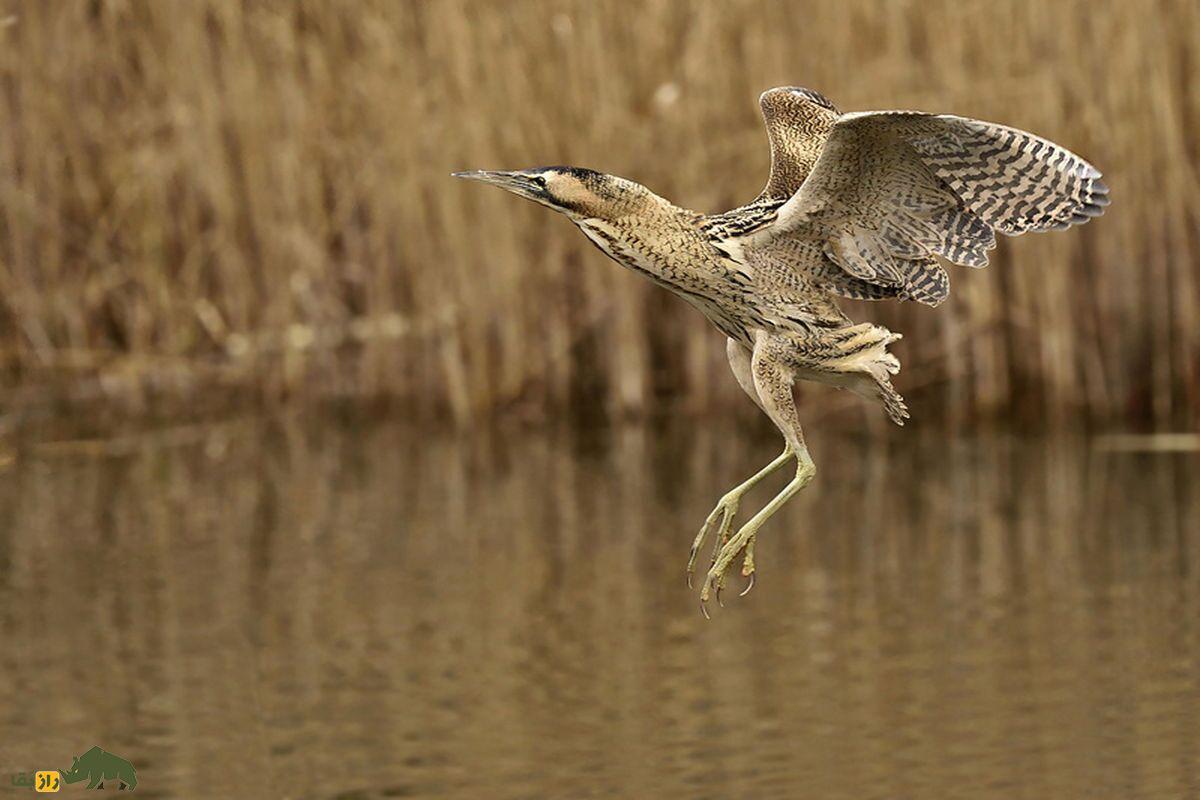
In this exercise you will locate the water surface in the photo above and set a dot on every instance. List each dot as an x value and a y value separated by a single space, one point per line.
262 609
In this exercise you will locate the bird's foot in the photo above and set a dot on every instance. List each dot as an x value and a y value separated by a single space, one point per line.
724 512
727 548
718 572
743 541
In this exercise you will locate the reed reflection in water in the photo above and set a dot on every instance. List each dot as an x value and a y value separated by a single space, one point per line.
296 610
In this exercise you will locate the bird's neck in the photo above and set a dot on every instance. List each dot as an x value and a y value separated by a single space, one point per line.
652 237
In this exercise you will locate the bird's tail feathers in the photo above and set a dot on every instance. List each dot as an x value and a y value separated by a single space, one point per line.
862 352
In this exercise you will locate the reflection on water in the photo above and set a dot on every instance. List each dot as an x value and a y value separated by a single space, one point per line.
265 610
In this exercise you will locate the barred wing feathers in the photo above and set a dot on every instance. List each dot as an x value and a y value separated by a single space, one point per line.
798 121
893 189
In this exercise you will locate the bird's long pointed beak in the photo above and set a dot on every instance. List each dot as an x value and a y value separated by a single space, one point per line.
485 175
504 179
476 175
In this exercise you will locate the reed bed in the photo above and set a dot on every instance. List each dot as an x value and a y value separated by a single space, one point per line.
251 200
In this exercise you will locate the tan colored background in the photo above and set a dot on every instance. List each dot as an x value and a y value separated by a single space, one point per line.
250 201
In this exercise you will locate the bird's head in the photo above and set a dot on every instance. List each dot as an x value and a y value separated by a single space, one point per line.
579 193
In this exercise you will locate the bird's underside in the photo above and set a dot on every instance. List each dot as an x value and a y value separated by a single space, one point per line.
863 206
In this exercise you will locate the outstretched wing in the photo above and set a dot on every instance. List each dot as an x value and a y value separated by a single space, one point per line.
798 122
893 189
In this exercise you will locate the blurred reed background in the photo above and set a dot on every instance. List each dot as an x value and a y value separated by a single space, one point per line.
249 202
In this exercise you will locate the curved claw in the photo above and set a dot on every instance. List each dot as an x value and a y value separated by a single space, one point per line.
749 586
721 604
689 577
704 609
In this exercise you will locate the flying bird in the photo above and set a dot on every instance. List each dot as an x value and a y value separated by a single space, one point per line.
863 205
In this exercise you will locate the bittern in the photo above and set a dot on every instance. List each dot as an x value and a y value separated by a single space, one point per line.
856 205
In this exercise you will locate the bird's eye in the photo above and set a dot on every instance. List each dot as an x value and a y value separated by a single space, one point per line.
539 180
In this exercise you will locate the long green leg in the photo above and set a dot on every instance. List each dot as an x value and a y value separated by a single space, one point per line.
805 470
727 509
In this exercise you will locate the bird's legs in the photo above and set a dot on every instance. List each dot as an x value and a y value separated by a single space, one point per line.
727 509
744 538
772 379
740 363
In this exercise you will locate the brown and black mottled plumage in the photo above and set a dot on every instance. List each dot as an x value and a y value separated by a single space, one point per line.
862 205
